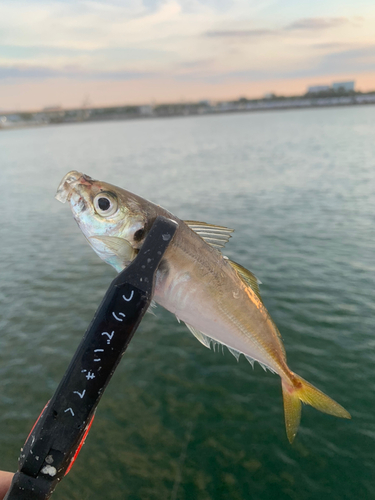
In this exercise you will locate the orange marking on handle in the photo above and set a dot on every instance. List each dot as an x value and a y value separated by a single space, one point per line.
80 446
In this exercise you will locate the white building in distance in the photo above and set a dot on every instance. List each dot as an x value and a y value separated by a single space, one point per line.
315 89
336 87
343 86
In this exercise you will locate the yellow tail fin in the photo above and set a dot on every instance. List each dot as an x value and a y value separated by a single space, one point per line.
300 390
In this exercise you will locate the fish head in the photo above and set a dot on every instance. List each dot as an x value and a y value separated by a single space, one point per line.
112 220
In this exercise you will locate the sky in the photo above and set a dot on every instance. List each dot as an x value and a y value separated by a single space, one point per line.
71 53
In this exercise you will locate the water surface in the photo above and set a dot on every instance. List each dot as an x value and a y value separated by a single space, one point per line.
178 421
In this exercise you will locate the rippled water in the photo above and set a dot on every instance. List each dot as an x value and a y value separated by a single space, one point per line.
177 421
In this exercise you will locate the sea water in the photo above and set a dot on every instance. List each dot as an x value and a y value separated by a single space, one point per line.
179 421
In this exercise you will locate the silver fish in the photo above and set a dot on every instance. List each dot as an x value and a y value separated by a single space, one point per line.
219 300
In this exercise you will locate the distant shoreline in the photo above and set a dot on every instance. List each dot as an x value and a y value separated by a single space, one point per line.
58 116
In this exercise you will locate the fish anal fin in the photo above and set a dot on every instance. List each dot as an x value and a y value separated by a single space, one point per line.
216 236
235 353
210 342
203 339
250 360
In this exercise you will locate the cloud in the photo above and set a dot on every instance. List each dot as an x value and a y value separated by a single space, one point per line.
340 62
14 72
329 45
310 24
352 60
317 23
205 41
344 62
87 25
240 33
41 73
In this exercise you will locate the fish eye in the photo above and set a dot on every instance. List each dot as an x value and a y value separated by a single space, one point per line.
105 204
138 235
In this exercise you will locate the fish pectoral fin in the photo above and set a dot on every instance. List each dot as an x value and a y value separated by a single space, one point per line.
216 236
203 339
302 391
247 277
118 246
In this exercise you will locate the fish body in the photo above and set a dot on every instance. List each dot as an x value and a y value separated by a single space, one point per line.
218 299
202 289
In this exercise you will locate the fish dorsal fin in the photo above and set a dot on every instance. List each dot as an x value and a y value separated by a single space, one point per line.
216 236
247 277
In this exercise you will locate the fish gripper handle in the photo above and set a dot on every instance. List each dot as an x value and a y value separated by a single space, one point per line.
59 433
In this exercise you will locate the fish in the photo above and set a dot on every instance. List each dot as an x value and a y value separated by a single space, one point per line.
218 299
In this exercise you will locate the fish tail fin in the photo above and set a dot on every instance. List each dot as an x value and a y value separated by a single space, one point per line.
297 390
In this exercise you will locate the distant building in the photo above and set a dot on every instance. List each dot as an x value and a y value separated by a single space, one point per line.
146 110
336 87
53 114
13 118
49 109
315 89
343 86
225 106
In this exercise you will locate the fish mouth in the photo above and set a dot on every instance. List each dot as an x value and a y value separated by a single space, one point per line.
69 183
